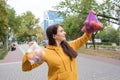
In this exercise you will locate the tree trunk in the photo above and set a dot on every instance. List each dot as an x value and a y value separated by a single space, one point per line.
93 41
86 45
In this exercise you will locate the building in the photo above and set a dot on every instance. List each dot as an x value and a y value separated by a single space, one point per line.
51 17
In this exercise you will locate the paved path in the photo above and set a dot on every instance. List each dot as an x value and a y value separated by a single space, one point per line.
15 56
89 68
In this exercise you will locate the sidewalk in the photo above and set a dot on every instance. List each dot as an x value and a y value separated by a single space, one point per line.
13 56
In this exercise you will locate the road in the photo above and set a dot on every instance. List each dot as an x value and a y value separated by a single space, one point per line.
89 68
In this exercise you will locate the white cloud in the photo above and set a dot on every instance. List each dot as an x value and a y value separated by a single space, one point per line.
37 7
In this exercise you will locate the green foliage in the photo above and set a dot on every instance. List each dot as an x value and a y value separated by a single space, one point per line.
28 28
75 12
29 20
105 9
13 21
109 35
23 27
3 20
3 53
72 26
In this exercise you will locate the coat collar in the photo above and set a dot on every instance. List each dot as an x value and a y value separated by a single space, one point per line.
53 47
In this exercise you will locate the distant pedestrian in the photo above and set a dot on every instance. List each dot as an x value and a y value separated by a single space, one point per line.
13 47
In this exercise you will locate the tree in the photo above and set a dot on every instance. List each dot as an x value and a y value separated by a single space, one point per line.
39 34
107 10
104 10
80 10
72 26
28 23
3 21
109 35
13 20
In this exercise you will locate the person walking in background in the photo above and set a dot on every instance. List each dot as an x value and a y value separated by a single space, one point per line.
59 54
13 47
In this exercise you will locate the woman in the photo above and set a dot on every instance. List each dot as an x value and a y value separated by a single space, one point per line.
58 54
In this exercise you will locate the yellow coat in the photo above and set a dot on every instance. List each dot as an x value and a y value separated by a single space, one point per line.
59 64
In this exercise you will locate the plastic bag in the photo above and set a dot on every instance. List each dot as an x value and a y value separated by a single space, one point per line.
32 50
33 47
92 24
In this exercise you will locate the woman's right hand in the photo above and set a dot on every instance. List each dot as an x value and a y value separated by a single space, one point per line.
37 52
30 56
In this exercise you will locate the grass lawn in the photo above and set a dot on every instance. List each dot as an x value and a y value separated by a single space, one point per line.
3 53
101 52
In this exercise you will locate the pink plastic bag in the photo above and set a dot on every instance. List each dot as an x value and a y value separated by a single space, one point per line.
91 23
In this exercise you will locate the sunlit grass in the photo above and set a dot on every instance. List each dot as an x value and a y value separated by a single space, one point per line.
100 52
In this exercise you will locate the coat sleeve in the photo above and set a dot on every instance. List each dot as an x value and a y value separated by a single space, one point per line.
26 65
79 42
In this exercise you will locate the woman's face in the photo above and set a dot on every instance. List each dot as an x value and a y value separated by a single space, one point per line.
60 36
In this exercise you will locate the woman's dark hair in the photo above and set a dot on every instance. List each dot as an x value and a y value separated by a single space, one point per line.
52 29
